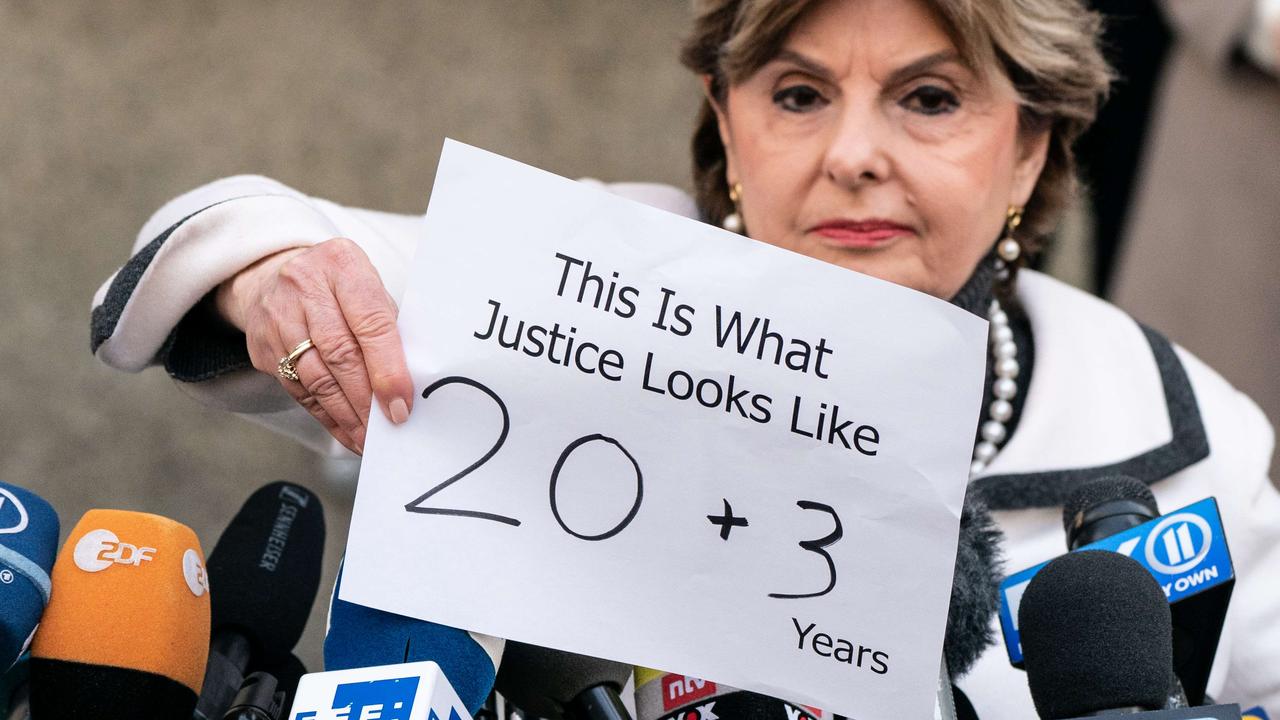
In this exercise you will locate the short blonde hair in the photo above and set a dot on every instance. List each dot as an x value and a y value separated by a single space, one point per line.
1048 49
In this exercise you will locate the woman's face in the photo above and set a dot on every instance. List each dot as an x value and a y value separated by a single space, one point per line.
868 144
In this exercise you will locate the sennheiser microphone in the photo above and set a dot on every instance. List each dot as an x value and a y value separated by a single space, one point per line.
28 546
126 632
1096 636
266 567
558 685
360 636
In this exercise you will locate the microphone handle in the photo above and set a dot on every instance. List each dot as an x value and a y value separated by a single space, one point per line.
20 703
1177 696
234 647
249 714
229 654
257 699
489 710
599 702
1105 527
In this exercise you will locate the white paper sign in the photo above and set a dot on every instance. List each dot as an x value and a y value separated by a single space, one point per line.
644 438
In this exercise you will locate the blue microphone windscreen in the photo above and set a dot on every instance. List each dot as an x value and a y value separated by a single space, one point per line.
361 636
28 547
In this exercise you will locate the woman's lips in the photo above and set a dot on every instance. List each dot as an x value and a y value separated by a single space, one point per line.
860 233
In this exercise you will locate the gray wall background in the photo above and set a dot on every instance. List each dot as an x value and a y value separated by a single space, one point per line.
108 109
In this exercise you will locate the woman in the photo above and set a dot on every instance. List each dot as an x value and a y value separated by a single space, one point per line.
926 143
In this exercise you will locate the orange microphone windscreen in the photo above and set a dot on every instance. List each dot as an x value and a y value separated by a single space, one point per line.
129 609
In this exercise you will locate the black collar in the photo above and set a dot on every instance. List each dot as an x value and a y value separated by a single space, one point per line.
1187 444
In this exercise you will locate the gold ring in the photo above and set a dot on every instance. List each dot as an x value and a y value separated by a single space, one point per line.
287 370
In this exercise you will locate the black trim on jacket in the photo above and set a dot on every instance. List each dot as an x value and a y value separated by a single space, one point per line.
1188 445
201 346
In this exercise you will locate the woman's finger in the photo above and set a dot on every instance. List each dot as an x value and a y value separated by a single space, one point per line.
319 383
311 293
371 316
317 411
341 354
265 350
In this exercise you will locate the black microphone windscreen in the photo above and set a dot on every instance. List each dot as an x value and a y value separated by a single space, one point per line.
1106 489
975 593
1096 635
265 570
542 681
77 690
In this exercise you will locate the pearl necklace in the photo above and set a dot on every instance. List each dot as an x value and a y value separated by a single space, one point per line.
1003 389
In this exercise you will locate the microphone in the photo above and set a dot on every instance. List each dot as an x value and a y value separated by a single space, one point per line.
15 690
670 696
127 628
258 699
360 637
1096 636
557 685
407 691
287 675
267 567
975 589
28 546
267 695
1185 551
1204 712
1106 506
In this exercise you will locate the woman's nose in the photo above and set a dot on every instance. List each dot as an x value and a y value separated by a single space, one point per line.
858 153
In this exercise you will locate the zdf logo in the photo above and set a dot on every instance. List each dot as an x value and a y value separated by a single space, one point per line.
100 549
194 573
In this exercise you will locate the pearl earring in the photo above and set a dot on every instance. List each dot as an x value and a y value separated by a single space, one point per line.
733 221
1010 249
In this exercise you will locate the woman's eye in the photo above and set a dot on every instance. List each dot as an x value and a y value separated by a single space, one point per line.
799 98
930 100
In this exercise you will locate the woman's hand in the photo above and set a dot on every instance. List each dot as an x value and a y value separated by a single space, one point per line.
331 294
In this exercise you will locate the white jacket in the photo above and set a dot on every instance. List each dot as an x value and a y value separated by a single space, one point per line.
1106 396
